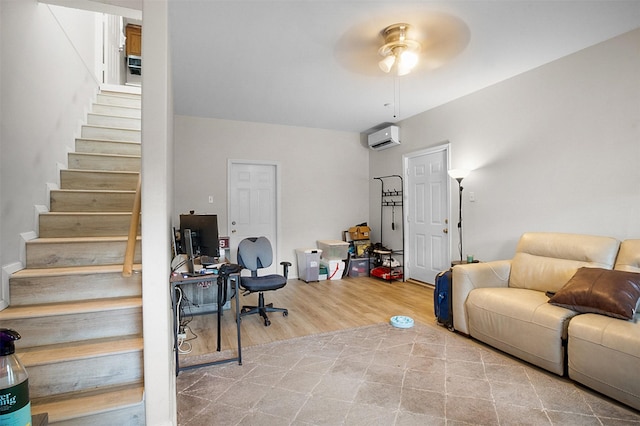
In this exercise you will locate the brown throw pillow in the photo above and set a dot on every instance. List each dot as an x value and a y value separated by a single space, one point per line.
601 291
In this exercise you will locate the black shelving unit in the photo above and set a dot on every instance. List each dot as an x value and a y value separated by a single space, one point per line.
390 199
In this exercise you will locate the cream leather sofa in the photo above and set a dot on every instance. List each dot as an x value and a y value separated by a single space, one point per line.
505 304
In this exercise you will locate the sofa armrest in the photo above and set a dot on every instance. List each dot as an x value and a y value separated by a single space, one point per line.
475 275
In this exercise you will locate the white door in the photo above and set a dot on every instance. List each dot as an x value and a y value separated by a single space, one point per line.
427 214
113 56
252 205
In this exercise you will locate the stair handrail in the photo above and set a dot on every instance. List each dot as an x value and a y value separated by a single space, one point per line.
127 267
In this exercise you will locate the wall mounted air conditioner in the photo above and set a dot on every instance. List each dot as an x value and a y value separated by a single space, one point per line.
385 138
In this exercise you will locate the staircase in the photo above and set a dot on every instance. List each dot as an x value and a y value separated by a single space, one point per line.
79 318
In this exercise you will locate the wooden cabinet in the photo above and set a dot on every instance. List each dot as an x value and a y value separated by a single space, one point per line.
134 40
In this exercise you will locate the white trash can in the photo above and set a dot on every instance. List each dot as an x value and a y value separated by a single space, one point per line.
308 264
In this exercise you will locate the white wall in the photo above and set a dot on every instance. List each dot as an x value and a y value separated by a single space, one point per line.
554 149
157 203
324 175
39 118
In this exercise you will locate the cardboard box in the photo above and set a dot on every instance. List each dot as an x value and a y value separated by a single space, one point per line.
359 232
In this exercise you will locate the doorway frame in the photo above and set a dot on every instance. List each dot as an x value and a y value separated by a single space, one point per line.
408 201
278 188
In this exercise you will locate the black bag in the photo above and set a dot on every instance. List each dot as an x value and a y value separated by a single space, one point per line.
442 306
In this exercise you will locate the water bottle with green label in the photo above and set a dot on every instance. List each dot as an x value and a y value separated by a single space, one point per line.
15 407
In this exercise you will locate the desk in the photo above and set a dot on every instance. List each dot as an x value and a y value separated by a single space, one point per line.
212 279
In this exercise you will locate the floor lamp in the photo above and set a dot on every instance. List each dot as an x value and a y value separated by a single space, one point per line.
459 174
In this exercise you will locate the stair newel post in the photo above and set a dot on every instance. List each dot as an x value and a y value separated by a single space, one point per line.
127 267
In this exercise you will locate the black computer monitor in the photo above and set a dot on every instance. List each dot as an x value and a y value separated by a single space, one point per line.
204 234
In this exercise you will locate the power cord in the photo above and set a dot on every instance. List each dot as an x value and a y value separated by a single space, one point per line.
184 347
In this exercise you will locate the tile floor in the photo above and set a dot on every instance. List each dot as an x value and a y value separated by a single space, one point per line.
380 375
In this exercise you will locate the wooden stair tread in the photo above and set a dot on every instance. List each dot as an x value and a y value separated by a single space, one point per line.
119 106
69 308
96 191
108 172
71 270
80 239
102 114
84 214
130 94
87 213
108 141
98 126
64 352
103 155
70 406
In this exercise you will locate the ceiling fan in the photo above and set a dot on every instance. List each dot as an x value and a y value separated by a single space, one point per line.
413 43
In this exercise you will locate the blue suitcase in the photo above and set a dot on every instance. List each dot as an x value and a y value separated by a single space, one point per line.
442 300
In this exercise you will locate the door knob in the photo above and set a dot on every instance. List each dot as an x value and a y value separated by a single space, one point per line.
233 231
445 230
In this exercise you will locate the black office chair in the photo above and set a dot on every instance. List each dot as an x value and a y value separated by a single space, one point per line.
253 254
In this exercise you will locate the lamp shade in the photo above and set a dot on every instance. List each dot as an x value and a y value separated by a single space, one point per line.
459 174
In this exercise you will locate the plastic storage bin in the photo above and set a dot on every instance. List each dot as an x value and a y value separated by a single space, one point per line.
335 268
359 267
308 264
333 249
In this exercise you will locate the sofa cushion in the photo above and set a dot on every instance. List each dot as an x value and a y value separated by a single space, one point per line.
604 354
601 291
545 261
629 256
520 322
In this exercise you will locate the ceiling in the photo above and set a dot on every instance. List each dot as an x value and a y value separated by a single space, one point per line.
302 63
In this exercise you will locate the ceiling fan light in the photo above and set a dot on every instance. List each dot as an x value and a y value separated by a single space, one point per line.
403 70
408 59
387 63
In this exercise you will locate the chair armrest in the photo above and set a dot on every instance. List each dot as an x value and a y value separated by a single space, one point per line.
285 266
475 275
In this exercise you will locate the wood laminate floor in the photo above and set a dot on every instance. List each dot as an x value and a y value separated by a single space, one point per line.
315 307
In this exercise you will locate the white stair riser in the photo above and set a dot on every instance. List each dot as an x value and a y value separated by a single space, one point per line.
119 100
98 146
60 254
84 225
115 110
75 327
91 201
111 134
68 288
113 121
84 374
86 179
84 161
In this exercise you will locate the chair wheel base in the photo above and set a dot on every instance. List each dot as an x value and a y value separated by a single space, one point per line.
262 310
